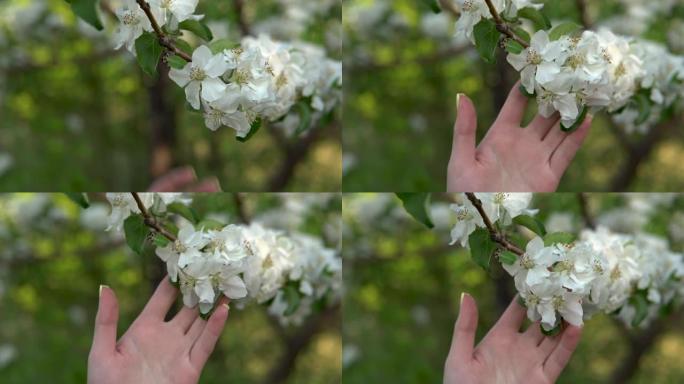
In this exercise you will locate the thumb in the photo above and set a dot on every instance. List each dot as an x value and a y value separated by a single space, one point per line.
463 146
104 339
463 340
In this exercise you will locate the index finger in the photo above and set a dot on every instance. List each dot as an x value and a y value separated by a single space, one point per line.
513 109
161 300
512 318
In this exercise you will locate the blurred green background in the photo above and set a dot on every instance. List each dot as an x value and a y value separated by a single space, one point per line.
77 115
55 255
403 69
403 284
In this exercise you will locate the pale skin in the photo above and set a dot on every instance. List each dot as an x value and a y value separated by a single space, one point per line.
510 158
153 350
506 355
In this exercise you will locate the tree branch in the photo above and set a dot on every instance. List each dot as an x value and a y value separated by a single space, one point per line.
150 220
584 14
239 7
584 207
240 208
501 25
495 235
164 40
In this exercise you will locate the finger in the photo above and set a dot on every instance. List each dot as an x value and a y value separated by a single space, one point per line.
463 340
174 180
161 300
185 318
561 354
207 339
513 109
198 324
104 338
548 345
554 138
463 146
541 126
512 318
196 329
207 185
534 334
563 155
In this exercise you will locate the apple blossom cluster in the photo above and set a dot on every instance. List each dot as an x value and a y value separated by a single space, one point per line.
594 70
290 273
576 74
660 85
602 272
500 208
260 79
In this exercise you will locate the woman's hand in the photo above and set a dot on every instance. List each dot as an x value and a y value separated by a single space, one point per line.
152 350
506 355
510 158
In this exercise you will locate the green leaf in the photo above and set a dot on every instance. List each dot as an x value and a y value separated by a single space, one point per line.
148 51
558 237
136 232
537 18
79 198
198 28
292 298
522 34
183 46
486 39
175 61
184 211
256 124
160 240
210 224
524 91
417 205
433 5
218 46
567 28
644 106
304 109
552 332
531 223
513 47
481 247
87 10
507 257
578 122
640 304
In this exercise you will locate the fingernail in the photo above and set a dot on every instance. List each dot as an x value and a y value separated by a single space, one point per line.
458 100
227 307
461 301
102 286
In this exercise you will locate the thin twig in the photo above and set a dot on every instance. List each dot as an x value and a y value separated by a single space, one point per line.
584 14
502 27
584 207
164 40
240 208
149 220
239 8
495 235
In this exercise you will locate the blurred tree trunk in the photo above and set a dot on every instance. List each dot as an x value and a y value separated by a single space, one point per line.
298 341
162 124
